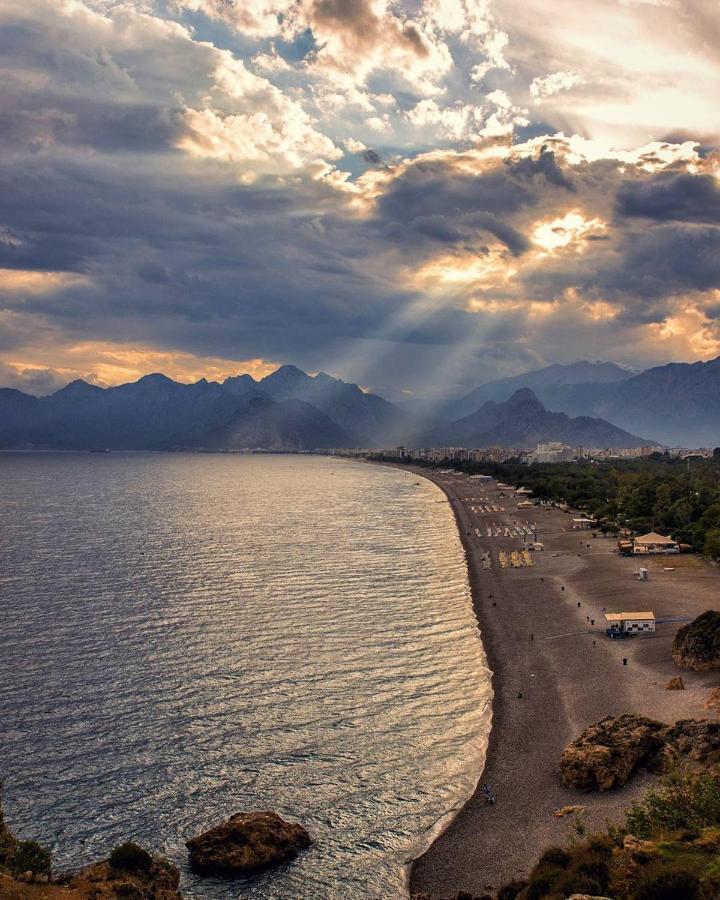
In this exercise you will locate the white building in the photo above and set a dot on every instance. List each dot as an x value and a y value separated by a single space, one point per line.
553 451
631 622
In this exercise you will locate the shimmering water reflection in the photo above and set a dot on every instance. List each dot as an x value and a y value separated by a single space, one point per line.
188 636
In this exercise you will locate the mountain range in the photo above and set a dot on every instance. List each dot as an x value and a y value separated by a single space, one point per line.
677 404
523 421
287 410
593 404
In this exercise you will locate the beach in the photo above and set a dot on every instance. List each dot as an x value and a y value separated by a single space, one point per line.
554 673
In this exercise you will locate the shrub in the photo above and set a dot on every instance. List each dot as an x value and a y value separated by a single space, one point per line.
668 884
711 546
577 883
128 891
556 857
540 886
511 890
601 844
32 857
684 800
597 870
129 857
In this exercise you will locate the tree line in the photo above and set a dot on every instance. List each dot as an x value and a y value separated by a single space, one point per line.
661 493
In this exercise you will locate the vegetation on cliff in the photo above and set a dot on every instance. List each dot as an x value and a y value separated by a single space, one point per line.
130 872
667 849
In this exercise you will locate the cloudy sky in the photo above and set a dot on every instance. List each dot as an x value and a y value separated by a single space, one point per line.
416 196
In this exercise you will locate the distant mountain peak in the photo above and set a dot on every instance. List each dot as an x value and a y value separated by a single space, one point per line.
283 379
155 378
524 397
324 378
78 388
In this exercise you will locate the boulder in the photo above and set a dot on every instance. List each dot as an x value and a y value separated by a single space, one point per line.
675 684
568 811
697 645
245 844
697 740
606 754
586 897
713 700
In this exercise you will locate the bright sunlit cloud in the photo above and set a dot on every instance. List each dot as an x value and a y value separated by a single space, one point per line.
404 193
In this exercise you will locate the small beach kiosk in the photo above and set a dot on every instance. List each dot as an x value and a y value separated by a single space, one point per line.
624 624
654 543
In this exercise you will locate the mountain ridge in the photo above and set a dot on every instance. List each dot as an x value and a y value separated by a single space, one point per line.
675 404
523 421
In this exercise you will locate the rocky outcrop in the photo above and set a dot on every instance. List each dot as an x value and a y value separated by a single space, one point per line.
697 741
697 645
675 684
159 880
246 844
713 700
606 754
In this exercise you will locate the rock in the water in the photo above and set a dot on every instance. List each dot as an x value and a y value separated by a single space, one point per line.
675 684
606 754
247 843
697 645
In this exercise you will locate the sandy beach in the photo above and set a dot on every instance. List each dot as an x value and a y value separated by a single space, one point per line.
554 673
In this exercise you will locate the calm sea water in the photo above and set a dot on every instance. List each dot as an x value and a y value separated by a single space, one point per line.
183 637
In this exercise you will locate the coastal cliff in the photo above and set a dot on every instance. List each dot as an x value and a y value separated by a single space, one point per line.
130 873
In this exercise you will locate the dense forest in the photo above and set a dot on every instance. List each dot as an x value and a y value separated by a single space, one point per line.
672 496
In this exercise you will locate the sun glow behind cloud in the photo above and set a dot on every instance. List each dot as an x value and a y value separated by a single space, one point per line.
374 188
568 230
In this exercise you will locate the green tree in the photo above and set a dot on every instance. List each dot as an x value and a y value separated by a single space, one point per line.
711 547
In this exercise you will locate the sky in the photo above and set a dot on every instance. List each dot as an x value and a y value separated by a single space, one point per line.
414 196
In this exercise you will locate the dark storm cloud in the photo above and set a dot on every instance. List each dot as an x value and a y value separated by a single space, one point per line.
545 165
681 198
203 265
644 271
671 259
109 127
439 202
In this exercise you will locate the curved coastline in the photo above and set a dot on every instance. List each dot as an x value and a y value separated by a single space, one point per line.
494 699
553 673
442 825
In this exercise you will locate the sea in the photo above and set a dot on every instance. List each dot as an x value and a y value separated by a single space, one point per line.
187 636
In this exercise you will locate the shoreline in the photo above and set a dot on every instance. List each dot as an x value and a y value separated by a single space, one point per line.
547 688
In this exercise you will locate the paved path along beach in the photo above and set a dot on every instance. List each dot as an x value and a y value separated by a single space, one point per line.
554 674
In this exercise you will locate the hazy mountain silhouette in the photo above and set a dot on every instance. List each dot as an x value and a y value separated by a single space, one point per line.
546 383
156 412
523 421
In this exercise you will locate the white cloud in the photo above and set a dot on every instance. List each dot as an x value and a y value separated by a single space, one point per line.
554 83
